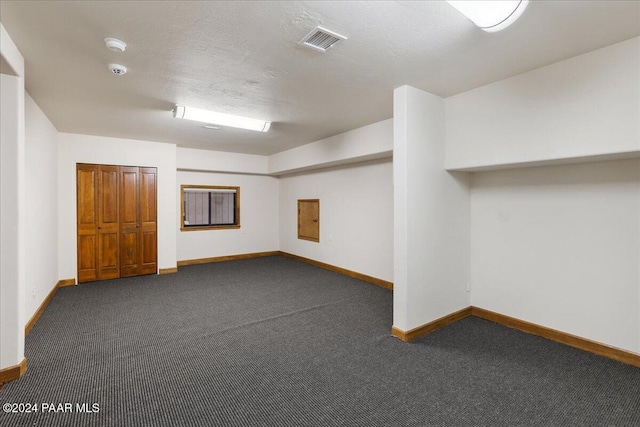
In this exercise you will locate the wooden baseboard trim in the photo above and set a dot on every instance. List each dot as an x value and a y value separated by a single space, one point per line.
31 323
66 282
226 258
61 284
427 328
13 372
382 283
168 270
374 280
594 347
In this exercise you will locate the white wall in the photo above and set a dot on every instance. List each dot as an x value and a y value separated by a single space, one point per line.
374 141
356 216
11 56
41 215
586 106
218 161
258 230
12 203
74 149
560 247
431 215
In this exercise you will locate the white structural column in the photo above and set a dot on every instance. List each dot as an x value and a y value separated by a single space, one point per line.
12 227
431 215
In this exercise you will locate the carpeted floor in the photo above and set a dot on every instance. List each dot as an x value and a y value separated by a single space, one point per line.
275 342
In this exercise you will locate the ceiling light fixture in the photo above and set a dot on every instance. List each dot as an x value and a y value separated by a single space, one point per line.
491 16
205 116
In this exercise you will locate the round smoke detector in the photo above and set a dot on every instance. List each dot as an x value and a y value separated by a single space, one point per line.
117 69
115 44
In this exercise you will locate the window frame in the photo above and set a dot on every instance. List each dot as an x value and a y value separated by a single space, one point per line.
208 188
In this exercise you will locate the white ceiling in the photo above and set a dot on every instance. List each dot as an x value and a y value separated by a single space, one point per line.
243 58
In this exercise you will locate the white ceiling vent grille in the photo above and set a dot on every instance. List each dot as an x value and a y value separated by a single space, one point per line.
321 39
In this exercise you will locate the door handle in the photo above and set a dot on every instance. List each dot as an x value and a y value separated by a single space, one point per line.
315 220
137 225
99 228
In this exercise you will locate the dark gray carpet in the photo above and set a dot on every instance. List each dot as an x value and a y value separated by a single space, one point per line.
275 342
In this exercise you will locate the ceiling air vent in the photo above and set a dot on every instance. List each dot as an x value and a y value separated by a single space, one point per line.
321 39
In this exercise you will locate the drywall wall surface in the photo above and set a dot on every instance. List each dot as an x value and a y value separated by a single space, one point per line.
12 218
11 56
356 216
74 148
41 198
218 161
431 215
560 247
582 107
369 142
258 230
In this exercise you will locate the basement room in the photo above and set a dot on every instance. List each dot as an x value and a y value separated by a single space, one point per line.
320 213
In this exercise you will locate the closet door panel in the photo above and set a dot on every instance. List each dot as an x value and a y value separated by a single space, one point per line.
148 221
129 255
87 222
87 268
129 221
108 223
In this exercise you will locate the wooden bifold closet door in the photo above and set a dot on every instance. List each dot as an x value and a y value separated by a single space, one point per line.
117 221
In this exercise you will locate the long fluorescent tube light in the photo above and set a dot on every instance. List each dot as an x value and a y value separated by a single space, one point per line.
205 116
491 16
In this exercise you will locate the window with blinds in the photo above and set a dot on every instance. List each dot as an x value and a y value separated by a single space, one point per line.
207 207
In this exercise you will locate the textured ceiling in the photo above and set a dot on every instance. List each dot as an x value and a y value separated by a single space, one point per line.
243 58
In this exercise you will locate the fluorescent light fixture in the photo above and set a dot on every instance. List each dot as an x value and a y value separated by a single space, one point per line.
205 116
491 16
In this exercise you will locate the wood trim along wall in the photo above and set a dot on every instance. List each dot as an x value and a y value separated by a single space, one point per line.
427 328
374 280
13 372
66 282
226 258
168 270
31 323
594 347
